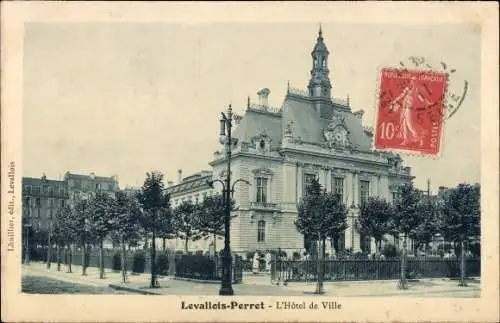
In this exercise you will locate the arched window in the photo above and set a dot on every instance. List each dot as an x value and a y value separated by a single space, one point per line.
261 231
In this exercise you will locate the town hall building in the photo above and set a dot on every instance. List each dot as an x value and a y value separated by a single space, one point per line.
280 151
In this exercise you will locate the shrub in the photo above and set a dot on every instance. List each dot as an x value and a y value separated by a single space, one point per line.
162 263
196 266
199 253
249 255
360 255
389 251
117 262
139 262
296 255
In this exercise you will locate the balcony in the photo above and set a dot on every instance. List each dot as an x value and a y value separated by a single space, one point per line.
264 206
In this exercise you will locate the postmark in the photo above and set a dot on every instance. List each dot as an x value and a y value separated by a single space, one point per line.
410 110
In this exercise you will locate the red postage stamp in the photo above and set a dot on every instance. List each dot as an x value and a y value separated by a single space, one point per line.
410 110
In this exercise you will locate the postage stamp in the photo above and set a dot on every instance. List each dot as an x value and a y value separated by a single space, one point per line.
410 110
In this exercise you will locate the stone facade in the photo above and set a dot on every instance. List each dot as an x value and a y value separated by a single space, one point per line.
43 198
278 150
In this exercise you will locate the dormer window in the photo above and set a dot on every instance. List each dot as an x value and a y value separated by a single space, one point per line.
262 144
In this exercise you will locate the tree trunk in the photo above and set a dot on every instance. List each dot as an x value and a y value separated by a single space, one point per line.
215 244
84 259
101 259
164 243
402 281
58 250
378 243
146 242
70 259
49 251
153 283
319 254
462 264
123 262
186 244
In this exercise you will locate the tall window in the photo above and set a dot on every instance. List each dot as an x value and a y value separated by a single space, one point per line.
261 190
364 190
395 196
341 242
51 191
38 202
51 202
27 189
37 190
396 241
261 231
62 203
338 187
365 243
308 179
338 243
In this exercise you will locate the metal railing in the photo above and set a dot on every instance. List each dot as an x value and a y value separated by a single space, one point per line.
352 270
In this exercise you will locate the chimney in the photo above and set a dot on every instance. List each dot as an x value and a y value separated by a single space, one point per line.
263 95
92 175
170 183
180 175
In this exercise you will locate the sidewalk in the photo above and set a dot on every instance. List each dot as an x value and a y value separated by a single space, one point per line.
255 285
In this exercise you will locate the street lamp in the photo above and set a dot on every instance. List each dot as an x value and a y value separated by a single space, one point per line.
228 191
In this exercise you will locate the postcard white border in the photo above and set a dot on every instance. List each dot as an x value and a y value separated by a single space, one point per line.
17 307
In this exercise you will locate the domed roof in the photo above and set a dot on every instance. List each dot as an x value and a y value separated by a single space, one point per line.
320 45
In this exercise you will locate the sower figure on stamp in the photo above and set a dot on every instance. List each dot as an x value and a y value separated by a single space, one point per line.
406 102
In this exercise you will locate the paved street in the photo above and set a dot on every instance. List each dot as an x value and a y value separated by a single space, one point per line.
46 285
252 285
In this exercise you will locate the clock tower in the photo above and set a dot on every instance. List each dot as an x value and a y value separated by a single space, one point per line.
319 84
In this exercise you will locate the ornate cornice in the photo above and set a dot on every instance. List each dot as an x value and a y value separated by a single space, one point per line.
263 171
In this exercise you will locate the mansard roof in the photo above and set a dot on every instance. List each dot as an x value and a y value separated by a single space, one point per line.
193 182
305 122
40 181
256 122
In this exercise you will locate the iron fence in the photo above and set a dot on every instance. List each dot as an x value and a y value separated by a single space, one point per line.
352 270
206 267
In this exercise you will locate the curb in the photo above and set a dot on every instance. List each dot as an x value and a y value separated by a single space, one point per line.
133 290
198 280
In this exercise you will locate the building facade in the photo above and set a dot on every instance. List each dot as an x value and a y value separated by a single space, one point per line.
81 187
280 150
43 198
192 188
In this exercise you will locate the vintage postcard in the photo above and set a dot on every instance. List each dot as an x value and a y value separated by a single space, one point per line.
249 161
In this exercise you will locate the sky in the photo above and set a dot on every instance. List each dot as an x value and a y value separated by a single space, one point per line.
127 98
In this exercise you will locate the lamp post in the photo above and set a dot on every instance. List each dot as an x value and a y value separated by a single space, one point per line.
228 191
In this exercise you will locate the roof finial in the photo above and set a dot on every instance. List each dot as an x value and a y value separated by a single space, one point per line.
288 87
347 100
320 31
248 102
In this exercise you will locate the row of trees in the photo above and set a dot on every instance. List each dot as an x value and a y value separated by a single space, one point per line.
413 215
127 217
